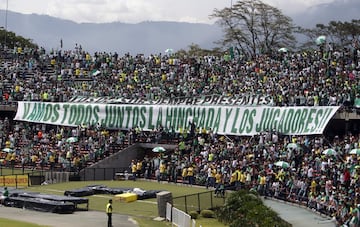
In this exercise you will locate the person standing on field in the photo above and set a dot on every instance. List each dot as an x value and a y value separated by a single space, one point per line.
109 213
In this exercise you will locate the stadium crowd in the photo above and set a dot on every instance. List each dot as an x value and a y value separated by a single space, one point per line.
324 182
308 78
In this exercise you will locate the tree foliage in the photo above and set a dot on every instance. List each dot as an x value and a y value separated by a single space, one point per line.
254 27
11 40
195 51
340 34
246 209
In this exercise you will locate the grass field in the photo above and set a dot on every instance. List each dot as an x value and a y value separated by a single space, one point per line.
143 211
11 223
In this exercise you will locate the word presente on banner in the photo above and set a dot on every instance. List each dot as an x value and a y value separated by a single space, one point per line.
238 100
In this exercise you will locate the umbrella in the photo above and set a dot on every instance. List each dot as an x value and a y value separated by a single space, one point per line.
292 145
329 151
169 51
355 151
96 72
158 149
320 40
283 50
282 164
72 139
7 149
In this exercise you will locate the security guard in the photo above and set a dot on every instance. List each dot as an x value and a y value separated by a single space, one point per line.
109 212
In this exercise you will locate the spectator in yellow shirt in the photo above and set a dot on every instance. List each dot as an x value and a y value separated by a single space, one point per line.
34 159
13 159
139 168
184 174
218 178
313 187
133 169
52 161
190 175
219 184
162 168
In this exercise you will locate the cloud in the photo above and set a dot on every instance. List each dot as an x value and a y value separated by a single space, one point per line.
134 11
291 7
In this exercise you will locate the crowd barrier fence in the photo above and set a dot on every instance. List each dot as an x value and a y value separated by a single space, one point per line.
178 217
199 201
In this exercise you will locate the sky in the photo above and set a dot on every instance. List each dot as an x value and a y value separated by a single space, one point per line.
135 11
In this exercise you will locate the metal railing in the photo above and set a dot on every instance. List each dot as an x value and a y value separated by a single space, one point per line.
92 174
199 201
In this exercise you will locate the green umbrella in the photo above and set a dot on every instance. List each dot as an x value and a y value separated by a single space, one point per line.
357 102
355 151
95 72
320 40
72 139
282 164
158 149
329 151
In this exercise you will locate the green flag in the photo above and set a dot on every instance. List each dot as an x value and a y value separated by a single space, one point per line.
357 102
231 51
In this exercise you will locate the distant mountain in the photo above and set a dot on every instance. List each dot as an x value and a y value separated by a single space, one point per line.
146 37
338 10
150 37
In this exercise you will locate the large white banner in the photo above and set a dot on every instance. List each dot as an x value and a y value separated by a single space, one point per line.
222 120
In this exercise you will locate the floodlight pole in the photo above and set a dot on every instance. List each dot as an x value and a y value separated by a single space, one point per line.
6 15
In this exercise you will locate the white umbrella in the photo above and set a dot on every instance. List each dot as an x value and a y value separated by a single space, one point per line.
329 151
72 139
282 164
320 40
169 51
355 151
292 146
283 50
7 149
158 149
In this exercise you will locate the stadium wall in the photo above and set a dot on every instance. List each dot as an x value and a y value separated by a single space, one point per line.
119 162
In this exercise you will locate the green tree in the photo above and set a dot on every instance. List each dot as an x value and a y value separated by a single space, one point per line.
246 209
195 51
254 27
11 40
340 34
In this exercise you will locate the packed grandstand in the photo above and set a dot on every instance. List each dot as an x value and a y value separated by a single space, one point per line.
258 124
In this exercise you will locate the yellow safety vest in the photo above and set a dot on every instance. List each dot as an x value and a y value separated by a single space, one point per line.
109 208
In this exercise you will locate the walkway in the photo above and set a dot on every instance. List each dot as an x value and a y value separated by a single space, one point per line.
76 219
297 215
